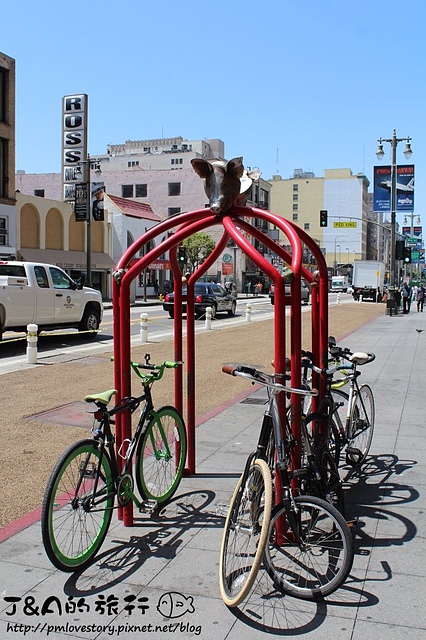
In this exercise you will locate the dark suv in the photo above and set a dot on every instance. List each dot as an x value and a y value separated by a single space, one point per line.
207 294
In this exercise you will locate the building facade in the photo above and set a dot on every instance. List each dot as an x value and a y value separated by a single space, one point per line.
7 158
345 198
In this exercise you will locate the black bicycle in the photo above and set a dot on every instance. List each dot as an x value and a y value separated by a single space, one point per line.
80 495
304 541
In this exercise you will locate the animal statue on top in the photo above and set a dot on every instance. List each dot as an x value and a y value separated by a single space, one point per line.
226 184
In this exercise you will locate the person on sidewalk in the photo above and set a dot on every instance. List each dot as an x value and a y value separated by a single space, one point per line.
406 298
420 297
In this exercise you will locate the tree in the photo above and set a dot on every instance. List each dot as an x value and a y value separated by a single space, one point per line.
198 247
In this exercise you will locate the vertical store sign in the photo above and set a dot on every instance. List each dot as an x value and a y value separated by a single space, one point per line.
74 141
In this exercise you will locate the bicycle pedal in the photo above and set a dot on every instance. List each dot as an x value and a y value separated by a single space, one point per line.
148 506
222 509
353 456
299 473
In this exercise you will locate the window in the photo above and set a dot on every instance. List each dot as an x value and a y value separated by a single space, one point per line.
141 190
3 232
295 187
172 211
60 279
39 193
295 217
295 207
3 167
3 85
127 190
306 226
174 188
41 277
295 197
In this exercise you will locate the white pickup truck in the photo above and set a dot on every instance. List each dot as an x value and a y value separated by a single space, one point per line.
45 295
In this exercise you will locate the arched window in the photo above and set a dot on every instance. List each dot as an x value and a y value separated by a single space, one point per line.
30 227
54 230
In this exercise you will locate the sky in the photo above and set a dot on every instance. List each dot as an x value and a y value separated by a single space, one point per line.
308 85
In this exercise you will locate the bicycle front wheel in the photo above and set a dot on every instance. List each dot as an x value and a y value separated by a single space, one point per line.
161 455
77 506
310 549
245 533
361 425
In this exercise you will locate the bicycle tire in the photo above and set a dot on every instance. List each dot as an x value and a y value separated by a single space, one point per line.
72 529
245 533
361 425
161 455
323 563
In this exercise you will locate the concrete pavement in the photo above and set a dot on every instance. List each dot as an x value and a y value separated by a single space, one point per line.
131 588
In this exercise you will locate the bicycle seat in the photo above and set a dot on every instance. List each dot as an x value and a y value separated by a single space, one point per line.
102 398
360 357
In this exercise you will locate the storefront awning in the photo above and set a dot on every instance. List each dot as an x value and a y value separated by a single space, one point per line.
68 259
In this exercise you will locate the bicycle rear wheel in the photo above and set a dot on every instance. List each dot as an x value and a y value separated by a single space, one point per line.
361 426
320 563
77 506
161 455
245 533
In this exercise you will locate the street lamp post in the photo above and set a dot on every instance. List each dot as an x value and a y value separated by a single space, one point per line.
335 254
88 165
380 153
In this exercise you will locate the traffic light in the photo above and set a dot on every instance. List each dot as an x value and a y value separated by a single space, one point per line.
407 255
323 218
181 256
399 249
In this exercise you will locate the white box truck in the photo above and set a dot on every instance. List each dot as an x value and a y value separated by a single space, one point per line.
339 283
368 279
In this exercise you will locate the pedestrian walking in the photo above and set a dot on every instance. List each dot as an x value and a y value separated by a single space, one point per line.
420 298
406 298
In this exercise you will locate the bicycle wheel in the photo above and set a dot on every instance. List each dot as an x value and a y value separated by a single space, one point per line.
245 533
318 564
77 506
361 426
161 455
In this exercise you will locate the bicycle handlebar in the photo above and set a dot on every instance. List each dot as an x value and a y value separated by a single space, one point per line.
157 370
265 379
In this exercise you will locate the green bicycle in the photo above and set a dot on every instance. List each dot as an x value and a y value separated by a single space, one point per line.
80 494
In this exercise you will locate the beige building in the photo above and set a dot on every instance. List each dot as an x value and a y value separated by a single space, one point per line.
345 198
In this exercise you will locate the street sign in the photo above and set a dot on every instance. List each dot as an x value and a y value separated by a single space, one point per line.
344 225
411 240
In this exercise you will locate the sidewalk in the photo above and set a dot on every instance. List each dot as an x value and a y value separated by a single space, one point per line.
171 560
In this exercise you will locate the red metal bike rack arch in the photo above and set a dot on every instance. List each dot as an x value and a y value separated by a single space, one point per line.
236 225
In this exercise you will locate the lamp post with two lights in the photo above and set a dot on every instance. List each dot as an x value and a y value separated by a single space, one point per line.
380 153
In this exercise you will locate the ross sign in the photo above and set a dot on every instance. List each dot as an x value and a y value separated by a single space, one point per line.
404 184
345 225
74 140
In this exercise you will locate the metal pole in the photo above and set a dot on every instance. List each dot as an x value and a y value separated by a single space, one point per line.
88 222
394 143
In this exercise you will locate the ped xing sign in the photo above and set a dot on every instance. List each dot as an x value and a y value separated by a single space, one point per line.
345 225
